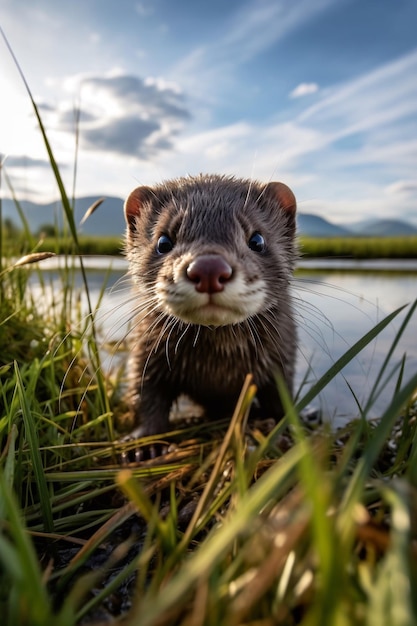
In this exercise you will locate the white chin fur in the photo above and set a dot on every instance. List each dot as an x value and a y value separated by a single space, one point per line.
209 315
231 306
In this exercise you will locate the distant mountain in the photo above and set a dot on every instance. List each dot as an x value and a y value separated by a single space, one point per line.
108 219
383 228
315 226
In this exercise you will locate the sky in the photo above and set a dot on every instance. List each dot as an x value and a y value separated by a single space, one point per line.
320 94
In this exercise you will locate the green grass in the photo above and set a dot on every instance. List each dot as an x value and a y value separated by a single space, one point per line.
337 247
234 526
356 248
359 247
319 533
87 245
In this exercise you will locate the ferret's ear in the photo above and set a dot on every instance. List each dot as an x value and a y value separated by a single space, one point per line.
282 195
285 200
134 204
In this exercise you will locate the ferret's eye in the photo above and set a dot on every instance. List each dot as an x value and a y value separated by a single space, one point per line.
164 244
257 243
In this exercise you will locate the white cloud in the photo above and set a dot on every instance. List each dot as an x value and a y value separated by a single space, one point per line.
304 151
95 38
261 23
24 162
250 31
264 152
304 89
352 150
339 154
125 114
144 8
382 96
402 187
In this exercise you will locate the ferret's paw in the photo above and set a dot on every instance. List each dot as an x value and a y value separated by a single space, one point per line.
144 450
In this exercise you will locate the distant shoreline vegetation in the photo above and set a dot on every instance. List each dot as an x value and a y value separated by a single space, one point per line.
310 247
359 247
341 247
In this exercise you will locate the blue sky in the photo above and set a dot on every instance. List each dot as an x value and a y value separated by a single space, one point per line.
321 94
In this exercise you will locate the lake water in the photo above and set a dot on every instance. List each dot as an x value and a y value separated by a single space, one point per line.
335 308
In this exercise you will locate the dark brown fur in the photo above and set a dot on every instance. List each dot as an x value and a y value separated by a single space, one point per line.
188 351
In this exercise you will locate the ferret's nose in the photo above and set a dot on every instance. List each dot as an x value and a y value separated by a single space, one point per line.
209 273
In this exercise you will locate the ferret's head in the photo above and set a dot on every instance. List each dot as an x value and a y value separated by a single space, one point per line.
211 250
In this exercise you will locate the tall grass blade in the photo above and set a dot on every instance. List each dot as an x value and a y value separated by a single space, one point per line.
22 216
274 482
318 493
380 435
71 223
391 597
33 442
345 359
9 465
65 201
29 603
1 227
388 357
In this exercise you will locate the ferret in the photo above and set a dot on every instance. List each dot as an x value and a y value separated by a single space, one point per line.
211 258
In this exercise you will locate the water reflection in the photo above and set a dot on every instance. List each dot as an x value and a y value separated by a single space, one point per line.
334 310
338 309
